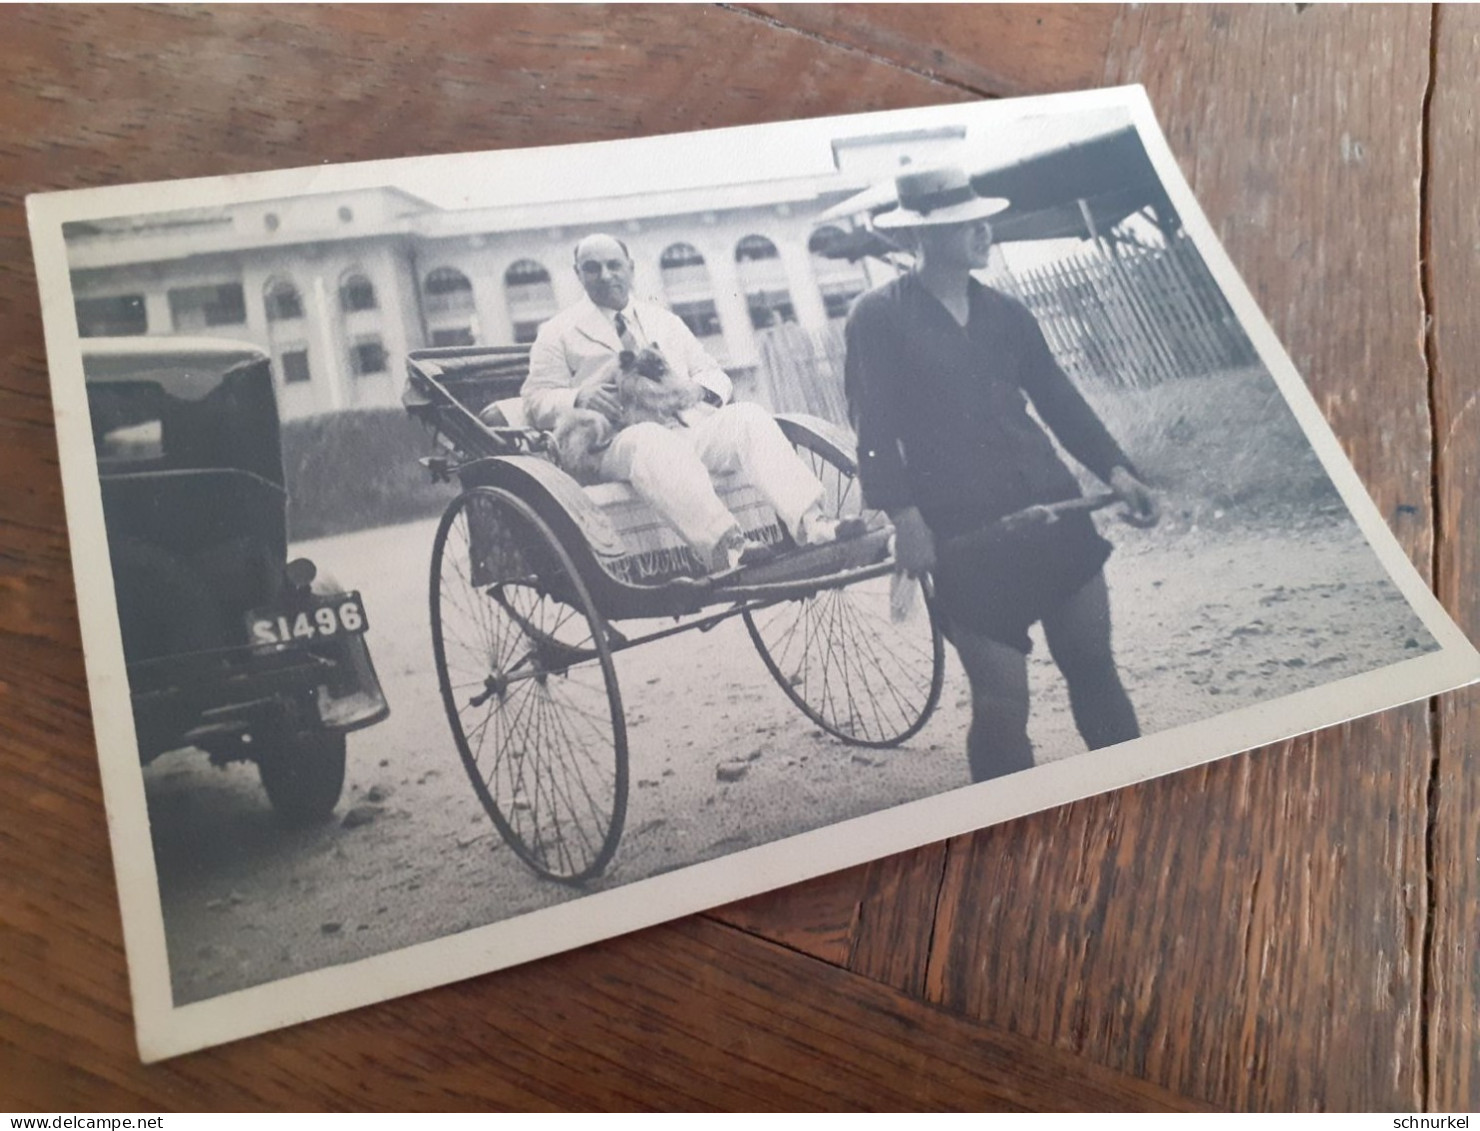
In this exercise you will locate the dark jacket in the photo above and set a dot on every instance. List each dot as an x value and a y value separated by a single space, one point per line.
941 410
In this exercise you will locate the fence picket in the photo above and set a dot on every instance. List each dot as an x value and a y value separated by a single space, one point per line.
1136 318
1139 317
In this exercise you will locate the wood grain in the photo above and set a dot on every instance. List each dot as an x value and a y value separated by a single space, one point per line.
997 50
1452 257
688 1016
291 88
816 918
1251 934
1196 930
876 920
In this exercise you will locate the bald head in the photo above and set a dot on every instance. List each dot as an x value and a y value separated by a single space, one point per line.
605 270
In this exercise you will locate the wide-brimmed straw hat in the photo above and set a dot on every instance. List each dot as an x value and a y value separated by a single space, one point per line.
937 196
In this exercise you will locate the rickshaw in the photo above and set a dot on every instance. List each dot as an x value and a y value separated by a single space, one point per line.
538 582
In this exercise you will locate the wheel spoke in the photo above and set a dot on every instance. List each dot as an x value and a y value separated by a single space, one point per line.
529 685
839 655
562 788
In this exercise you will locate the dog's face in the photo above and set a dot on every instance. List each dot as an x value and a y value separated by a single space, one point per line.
650 390
647 362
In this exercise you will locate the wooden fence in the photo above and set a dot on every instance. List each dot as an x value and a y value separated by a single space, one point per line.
1137 317
802 371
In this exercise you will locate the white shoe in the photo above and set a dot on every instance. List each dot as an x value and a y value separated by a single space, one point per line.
735 550
817 529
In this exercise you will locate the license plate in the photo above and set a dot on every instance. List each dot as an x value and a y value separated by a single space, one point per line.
317 618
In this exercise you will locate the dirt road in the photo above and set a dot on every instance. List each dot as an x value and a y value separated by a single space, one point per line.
1206 620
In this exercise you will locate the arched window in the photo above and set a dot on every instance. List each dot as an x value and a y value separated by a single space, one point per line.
282 300
530 296
356 292
838 280
284 306
526 273
680 255
447 291
763 281
755 247
687 287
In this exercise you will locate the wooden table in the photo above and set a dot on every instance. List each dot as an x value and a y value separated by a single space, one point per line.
1291 929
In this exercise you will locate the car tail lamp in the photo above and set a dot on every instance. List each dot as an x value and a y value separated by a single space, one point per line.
300 573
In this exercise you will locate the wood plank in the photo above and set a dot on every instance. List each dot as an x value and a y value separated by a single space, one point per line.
1191 931
368 81
687 1016
1250 933
816 918
876 919
896 918
997 50
1452 253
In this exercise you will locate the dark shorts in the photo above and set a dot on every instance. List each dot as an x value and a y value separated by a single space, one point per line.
998 584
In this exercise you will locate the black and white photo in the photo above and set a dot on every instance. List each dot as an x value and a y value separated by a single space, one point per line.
481 556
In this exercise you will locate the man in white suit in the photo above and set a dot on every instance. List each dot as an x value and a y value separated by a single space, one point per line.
574 363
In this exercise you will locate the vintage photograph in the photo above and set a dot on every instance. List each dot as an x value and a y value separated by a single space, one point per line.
483 555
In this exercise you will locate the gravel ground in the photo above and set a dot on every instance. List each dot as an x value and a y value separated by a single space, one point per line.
1208 618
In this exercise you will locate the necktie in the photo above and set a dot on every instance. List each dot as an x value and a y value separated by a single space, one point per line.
624 332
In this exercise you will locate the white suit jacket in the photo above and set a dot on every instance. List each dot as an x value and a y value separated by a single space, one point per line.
580 343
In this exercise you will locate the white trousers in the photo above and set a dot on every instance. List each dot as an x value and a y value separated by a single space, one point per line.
669 469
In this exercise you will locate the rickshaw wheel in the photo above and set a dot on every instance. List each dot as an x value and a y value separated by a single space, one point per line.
528 684
839 654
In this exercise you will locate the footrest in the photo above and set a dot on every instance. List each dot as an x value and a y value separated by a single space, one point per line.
821 561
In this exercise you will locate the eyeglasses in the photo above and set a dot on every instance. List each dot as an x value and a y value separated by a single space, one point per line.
593 267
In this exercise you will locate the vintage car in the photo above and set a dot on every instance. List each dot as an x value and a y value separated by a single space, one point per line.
230 647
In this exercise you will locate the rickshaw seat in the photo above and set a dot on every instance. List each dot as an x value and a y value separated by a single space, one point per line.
512 411
638 523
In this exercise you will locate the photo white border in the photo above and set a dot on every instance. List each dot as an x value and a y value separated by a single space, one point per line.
164 1030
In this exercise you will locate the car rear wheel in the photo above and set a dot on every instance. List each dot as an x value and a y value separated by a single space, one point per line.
303 775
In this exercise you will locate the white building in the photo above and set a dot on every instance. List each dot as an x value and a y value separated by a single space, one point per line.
339 287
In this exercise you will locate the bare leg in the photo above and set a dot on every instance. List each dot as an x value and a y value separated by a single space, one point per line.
997 743
1078 634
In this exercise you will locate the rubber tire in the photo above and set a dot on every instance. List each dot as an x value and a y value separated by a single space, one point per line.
303 775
